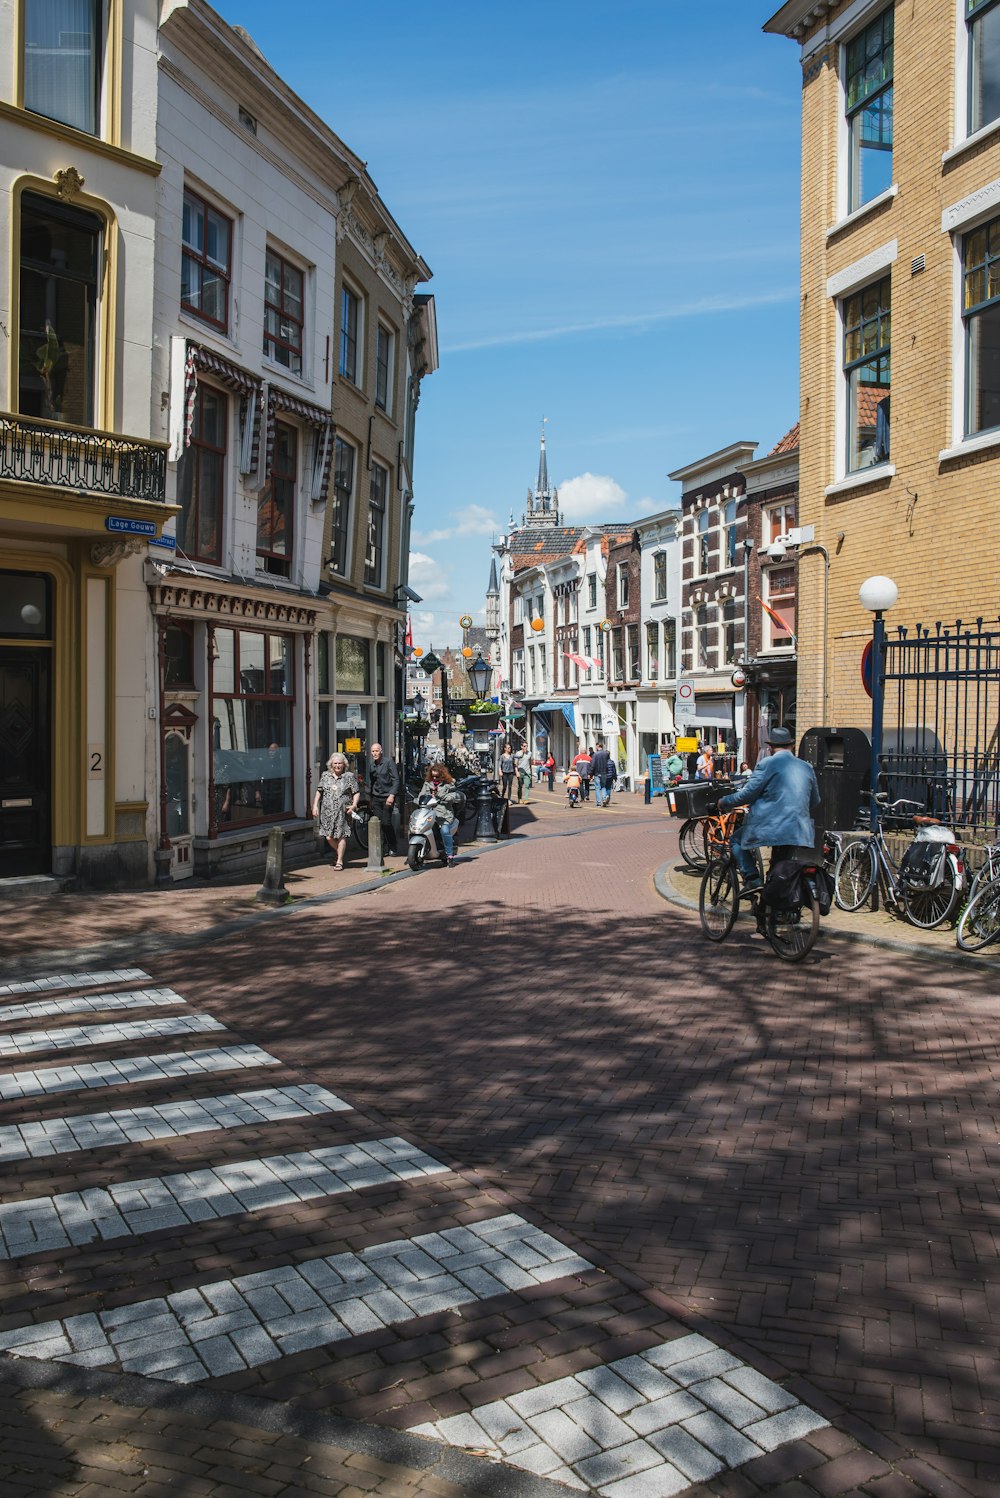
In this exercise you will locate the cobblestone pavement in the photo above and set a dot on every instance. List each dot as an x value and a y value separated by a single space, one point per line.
498 1180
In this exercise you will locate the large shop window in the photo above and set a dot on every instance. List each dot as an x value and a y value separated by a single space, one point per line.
201 478
252 704
869 111
981 313
867 369
63 57
60 275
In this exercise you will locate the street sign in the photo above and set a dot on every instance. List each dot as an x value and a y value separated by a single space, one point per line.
684 702
130 527
430 663
169 543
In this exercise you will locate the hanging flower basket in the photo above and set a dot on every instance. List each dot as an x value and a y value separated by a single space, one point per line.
481 715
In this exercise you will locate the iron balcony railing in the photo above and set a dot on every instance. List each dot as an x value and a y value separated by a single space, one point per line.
33 451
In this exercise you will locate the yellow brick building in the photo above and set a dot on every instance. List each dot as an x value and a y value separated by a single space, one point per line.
900 296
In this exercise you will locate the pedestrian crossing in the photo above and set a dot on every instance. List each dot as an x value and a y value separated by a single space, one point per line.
647 1425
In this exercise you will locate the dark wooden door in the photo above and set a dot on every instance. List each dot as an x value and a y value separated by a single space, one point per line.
25 762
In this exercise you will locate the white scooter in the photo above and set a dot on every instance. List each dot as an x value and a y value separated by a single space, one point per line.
423 835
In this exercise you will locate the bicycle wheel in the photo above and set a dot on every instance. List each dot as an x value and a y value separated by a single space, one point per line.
854 876
692 843
359 830
792 933
980 923
719 899
928 908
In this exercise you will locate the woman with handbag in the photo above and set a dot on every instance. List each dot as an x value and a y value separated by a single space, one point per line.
337 795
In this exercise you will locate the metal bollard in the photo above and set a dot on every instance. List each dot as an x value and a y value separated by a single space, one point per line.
486 827
647 790
375 860
273 891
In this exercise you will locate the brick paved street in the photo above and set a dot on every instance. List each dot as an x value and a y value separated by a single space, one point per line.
507 1166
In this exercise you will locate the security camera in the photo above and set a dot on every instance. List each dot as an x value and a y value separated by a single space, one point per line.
777 550
405 591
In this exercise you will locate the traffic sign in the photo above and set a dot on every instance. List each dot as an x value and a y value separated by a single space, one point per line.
684 702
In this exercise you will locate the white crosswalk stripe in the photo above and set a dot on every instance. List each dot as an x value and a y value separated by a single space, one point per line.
131 1070
75 1037
75 980
654 1423
138 998
231 1110
229 1325
130 1208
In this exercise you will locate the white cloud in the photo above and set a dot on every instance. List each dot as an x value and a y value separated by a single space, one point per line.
428 577
472 520
590 494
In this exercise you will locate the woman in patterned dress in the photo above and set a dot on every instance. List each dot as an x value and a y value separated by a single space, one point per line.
337 793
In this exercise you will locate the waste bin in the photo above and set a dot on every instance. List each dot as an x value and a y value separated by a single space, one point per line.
842 759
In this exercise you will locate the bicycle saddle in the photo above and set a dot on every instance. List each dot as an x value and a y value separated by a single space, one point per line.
921 820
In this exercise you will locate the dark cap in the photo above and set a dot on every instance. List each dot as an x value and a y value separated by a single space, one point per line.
780 738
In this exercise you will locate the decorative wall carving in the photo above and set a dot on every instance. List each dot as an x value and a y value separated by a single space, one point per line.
109 553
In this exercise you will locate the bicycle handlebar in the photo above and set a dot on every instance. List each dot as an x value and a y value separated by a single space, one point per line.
881 799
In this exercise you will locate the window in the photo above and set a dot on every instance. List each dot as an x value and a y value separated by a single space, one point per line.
517 671
704 524
276 510
732 613
869 111
778 521
539 607
252 700
669 649
981 313
60 277
729 523
618 653
201 479
867 338
178 655
634 663
704 619
518 609
283 312
623 585
983 20
349 318
340 513
659 576
383 368
63 61
778 631
207 240
378 494
591 590
652 652
353 663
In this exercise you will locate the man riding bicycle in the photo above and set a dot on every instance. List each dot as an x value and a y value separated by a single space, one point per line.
781 794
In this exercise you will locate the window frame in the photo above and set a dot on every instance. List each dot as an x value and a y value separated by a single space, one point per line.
854 112
622 585
202 259
352 340
277 340
378 507
971 315
652 651
730 618
102 15
670 650
976 12
197 445
239 694
633 652
384 366
342 508
279 563
660 576
703 543
86 219
769 636
730 526
865 357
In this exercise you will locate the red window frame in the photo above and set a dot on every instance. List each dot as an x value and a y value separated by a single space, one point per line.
208 265
292 345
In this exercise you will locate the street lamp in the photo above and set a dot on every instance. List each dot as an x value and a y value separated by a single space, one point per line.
480 674
877 594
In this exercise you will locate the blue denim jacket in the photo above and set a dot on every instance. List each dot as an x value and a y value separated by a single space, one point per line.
781 795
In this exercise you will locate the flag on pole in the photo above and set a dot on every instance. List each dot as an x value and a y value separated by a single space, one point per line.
782 623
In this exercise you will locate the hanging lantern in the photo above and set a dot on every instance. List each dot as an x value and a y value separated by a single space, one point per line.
538 625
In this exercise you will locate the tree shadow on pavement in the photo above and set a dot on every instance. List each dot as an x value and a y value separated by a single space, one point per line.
805 1155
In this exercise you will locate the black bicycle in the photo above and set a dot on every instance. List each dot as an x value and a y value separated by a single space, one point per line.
790 927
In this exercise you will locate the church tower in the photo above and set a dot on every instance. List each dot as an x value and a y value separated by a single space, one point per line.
543 500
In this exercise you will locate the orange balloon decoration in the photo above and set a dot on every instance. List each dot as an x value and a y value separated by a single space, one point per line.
417 651
538 625
467 652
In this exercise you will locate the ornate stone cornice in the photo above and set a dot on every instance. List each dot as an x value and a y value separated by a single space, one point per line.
174 598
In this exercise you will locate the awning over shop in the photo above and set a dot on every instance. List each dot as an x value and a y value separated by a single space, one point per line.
568 710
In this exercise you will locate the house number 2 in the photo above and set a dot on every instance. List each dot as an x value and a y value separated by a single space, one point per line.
95 761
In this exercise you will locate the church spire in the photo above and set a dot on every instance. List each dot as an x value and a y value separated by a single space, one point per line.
543 500
543 467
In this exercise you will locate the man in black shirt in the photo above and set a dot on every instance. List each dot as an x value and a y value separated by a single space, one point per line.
602 770
382 779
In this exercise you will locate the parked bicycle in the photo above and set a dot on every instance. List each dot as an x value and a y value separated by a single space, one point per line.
787 917
925 886
700 837
980 920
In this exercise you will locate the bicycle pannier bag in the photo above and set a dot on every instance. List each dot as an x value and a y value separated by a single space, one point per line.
823 882
923 865
783 885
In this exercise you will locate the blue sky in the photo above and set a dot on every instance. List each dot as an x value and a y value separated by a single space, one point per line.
608 196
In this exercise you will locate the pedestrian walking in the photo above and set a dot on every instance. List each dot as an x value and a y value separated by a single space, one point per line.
337 794
523 774
508 768
706 764
602 769
382 779
549 766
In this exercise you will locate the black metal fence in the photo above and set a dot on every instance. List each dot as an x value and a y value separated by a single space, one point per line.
941 721
39 452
